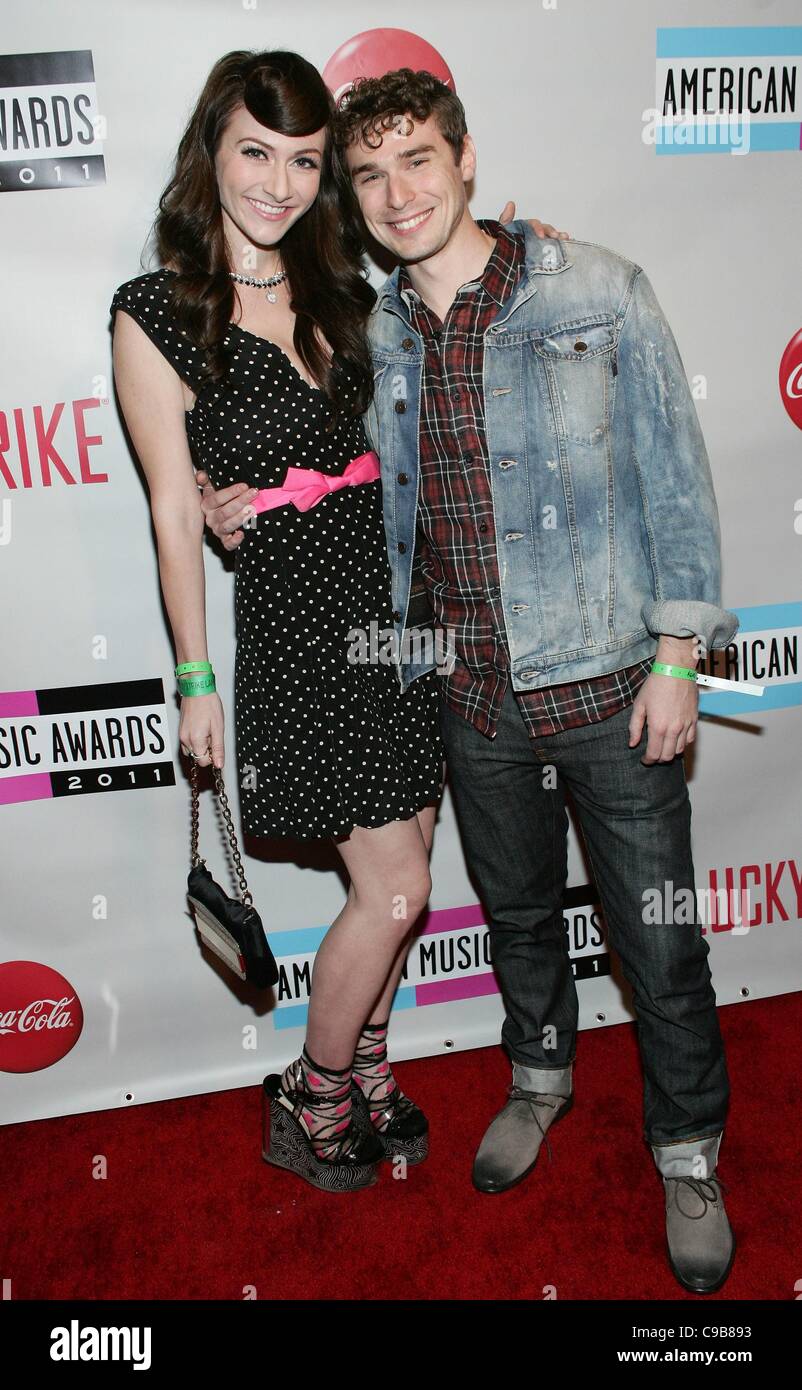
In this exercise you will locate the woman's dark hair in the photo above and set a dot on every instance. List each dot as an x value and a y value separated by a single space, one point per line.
322 252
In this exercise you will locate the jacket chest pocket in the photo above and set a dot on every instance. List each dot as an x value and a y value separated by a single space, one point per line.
579 362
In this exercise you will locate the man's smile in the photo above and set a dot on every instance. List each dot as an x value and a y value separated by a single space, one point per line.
410 224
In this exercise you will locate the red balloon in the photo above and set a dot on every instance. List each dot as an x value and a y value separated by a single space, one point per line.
377 51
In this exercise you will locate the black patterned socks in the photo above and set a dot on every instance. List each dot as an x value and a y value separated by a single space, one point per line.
321 1098
372 1072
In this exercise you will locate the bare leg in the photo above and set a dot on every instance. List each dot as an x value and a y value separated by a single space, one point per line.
361 957
390 884
380 1010
371 1072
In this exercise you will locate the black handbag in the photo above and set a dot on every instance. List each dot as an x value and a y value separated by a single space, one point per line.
232 930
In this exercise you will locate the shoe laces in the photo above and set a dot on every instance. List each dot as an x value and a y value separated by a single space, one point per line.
709 1197
534 1099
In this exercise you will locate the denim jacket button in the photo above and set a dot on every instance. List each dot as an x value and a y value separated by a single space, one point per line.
396 616
403 478
407 343
401 547
400 407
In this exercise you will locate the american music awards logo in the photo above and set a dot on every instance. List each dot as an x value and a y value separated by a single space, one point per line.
79 739
51 135
448 961
765 651
727 89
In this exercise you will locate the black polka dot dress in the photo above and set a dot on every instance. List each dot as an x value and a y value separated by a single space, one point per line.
323 742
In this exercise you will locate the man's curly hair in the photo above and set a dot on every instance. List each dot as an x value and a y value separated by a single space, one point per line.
375 104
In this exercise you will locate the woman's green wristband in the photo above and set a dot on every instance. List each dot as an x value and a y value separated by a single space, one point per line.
202 684
192 666
684 672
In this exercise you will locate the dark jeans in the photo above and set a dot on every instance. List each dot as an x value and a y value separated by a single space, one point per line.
636 823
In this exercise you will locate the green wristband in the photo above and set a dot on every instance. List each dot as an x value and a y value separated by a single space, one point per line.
197 685
193 666
684 672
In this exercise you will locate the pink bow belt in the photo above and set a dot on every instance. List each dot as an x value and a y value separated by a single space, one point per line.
305 487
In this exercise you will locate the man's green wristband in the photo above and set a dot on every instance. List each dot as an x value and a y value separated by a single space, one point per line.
684 672
197 685
192 666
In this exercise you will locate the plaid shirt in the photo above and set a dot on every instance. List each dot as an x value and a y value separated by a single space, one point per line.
456 541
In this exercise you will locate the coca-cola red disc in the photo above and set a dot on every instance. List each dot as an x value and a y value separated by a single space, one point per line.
40 1016
791 379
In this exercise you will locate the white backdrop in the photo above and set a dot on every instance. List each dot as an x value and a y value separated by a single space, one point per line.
95 840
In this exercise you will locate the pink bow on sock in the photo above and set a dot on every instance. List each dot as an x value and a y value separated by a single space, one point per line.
305 487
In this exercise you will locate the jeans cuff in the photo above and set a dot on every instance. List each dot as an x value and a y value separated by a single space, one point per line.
550 1081
690 1158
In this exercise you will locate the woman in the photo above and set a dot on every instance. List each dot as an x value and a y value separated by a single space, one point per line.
245 356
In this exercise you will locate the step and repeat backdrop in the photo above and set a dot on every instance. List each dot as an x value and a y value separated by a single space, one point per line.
668 131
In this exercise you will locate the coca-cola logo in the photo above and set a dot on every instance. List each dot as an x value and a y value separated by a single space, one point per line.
791 379
40 1016
377 51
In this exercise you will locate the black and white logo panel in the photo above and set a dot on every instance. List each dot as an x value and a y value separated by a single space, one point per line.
50 129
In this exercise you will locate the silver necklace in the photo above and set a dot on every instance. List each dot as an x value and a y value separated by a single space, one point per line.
267 284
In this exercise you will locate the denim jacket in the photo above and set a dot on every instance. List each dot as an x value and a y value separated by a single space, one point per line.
606 524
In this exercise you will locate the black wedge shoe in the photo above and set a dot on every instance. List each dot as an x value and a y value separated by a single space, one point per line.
286 1143
407 1134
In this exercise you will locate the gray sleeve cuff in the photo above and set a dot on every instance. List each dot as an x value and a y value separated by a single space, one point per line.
682 617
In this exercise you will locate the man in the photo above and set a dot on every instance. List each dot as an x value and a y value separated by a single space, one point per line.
544 471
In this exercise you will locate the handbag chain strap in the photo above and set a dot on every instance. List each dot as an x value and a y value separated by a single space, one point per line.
245 893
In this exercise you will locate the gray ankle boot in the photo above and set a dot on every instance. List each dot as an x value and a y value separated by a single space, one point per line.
511 1144
701 1245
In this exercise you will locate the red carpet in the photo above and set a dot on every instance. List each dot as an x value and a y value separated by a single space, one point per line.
189 1210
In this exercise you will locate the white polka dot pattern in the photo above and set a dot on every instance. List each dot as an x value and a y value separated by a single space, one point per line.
323 744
